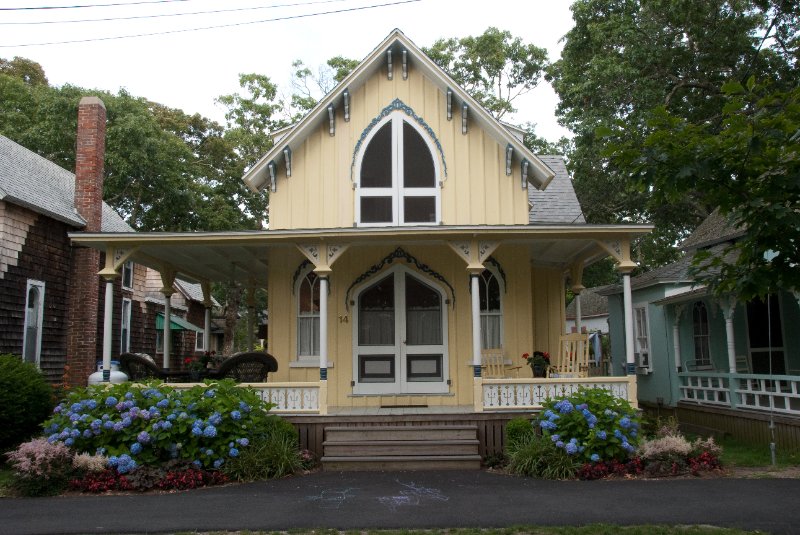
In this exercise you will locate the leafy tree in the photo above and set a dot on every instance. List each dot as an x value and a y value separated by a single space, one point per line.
748 165
495 67
308 87
626 58
26 70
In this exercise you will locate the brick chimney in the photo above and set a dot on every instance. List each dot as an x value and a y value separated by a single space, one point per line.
83 345
89 158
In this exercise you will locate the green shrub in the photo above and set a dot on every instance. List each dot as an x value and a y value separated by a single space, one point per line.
591 425
149 425
537 456
517 430
269 457
40 468
25 401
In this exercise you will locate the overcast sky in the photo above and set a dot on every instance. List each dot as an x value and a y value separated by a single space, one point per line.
189 69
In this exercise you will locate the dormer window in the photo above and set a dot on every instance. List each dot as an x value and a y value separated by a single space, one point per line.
397 176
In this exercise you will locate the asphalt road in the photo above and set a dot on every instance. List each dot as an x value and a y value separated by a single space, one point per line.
416 500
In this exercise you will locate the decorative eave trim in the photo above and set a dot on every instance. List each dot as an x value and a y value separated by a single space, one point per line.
396 105
540 176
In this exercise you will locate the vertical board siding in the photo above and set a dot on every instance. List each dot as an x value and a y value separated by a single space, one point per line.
475 191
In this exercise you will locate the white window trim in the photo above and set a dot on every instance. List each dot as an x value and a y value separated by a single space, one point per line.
306 359
126 265
125 321
159 341
398 192
638 337
496 274
40 285
198 341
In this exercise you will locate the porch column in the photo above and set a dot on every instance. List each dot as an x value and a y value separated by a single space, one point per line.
323 328
207 303
476 323
676 336
576 281
628 308
167 334
728 309
107 328
251 311
168 280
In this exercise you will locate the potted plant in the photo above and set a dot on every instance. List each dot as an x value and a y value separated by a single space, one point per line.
539 362
195 367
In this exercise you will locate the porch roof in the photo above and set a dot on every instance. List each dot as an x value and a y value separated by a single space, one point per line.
243 256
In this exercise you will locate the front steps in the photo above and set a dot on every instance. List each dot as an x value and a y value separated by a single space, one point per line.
387 447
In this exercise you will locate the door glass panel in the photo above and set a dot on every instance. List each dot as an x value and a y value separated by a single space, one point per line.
376 368
376 209
422 368
417 160
423 313
418 210
376 166
766 336
376 314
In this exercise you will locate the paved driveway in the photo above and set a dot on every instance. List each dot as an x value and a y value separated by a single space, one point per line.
417 500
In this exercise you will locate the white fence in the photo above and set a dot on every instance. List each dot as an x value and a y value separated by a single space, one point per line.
767 393
521 394
289 397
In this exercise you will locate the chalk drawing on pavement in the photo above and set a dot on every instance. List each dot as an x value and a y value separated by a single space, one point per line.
411 495
331 498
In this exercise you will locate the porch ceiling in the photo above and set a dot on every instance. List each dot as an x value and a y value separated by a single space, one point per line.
245 256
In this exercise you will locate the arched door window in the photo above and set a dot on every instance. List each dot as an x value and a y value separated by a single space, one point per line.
308 315
702 356
397 176
491 306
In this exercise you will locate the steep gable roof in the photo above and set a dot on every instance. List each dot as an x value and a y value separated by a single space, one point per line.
592 304
558 202
38 184
716 228
257 178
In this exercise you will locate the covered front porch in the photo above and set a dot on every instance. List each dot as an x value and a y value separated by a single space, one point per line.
394 320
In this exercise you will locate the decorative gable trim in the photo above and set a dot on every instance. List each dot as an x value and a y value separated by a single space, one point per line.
396 105
540 175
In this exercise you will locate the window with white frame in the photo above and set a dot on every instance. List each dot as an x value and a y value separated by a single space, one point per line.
34 315
307 292
641 336
125 327
702 356
199 341
397 176
491 306
159 341
127 275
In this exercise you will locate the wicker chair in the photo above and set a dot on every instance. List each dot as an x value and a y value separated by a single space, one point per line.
247 367
138 366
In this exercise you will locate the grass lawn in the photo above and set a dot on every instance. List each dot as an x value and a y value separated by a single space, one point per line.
5 480
736 453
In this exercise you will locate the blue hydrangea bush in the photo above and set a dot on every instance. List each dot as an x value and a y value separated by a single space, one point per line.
134 424
591 425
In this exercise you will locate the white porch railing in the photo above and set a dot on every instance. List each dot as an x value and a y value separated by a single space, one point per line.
530 394
775 393
294 398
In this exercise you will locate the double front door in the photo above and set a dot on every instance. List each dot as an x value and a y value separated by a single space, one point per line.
400 336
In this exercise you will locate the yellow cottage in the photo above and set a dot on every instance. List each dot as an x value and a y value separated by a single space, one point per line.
412 238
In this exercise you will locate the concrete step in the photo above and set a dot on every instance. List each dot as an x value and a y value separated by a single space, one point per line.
377 433
357 448
392 462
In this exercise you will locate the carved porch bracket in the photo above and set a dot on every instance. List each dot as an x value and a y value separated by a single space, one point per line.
115 257
322 255
474 253
167 280
620 250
